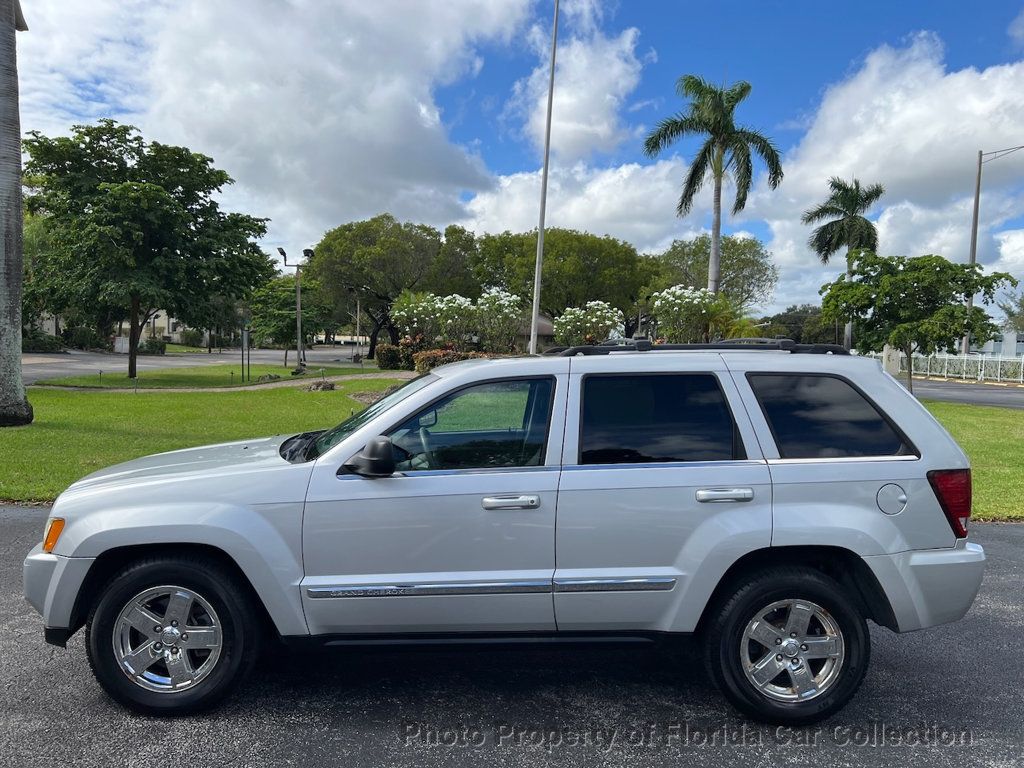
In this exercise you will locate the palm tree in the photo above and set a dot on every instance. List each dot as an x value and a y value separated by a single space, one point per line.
845 226
14 407
727 150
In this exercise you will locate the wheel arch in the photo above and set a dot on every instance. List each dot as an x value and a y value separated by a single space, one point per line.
113 560
843 565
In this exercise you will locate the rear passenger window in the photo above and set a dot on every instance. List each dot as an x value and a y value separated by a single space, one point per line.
823 417
656 418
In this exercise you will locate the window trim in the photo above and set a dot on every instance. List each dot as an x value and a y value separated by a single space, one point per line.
913 456
469 385
737 436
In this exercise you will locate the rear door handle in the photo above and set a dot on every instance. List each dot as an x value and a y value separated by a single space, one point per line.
524 501
725 494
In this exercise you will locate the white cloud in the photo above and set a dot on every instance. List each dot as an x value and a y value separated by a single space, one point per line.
903 120
1011 253
632 202
1016 29
594 75
322 112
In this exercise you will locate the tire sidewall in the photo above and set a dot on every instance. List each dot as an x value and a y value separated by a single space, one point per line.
728 633
237 634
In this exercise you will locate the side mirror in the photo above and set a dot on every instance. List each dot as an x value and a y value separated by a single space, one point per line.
377 459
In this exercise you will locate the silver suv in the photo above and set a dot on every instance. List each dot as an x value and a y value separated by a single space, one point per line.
767 499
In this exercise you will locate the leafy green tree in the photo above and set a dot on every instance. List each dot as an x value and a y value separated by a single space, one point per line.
727 150
845 226
913 304
14 406
136 225
748 275
578 267
272 311
1013 312
375 260
803 323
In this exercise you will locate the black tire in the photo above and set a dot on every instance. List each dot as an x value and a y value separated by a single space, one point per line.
240 627
724 639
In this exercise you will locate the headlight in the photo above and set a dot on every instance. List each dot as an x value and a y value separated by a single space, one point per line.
54 527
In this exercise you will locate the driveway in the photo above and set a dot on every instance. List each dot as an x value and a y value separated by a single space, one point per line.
1002 395
954 690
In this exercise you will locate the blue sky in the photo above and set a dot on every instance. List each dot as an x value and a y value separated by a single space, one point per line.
326 111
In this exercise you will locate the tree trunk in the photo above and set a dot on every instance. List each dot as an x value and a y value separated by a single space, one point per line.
14 406
373 342
910 368
848 328
715 259
286 357
134 332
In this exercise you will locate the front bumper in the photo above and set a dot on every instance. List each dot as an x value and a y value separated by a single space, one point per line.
929 587
51 584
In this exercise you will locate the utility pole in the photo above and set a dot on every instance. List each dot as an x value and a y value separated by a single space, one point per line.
308 253
535 317
965 345
983 157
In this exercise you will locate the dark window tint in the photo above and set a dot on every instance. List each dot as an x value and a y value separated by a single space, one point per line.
823 417
648 418
496 424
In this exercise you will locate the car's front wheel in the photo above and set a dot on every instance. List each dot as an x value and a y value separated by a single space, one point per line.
172 636
788 646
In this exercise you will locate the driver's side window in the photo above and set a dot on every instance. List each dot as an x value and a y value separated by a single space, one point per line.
494 424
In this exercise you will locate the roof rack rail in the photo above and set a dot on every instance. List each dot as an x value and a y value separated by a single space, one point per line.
733 345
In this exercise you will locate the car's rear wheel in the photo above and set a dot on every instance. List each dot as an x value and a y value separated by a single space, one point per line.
788 646
172 636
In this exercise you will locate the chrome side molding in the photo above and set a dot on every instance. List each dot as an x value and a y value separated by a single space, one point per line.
610 584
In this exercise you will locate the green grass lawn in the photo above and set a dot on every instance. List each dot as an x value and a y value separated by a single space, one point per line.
994 440
76 433
220 375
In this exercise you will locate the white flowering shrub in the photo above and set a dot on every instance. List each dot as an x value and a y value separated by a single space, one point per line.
692 315
499 317
592 323
456 322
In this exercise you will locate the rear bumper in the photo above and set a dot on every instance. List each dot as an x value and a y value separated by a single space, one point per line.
930 587
51 584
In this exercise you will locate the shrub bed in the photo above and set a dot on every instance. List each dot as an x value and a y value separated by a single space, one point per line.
431 358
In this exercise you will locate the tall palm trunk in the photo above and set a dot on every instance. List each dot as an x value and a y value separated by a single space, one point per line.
14 405
848 328
715 259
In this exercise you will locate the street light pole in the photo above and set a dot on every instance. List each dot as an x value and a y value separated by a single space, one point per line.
965 345
535 317
983 157
308 253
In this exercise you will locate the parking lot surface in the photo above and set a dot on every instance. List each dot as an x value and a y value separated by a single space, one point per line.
949 696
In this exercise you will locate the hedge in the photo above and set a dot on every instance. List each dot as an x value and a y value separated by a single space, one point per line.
431 358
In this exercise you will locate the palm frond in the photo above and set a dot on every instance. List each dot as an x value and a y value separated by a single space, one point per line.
669 130
828 239
743 173
768 152
695 178
826 210
737 92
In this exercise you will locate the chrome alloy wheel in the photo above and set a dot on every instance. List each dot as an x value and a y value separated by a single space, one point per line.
792 650
167 639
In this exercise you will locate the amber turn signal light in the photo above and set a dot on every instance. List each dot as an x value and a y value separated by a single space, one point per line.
54 526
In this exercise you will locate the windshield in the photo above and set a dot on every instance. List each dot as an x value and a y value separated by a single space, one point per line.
332 437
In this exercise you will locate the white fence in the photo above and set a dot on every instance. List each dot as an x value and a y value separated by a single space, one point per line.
966 367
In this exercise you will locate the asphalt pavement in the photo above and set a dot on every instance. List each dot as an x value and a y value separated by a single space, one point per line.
954 693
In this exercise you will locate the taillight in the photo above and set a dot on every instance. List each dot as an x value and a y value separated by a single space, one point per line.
953 490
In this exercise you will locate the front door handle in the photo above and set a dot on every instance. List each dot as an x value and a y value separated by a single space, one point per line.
524 501
725 494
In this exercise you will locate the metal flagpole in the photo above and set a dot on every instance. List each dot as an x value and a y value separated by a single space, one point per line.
535 318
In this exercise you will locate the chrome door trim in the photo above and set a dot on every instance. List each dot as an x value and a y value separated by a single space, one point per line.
718 495
611 584
520 501
404 590
844 459
572 584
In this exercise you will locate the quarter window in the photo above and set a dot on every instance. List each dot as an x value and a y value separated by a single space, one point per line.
823 417
656 418
494 424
